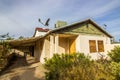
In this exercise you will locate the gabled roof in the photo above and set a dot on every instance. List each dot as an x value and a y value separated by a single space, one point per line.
81 22
33 39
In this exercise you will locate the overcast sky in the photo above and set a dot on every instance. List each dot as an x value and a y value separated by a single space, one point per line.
20 17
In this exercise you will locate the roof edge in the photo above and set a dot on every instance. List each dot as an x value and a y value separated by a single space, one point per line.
87 20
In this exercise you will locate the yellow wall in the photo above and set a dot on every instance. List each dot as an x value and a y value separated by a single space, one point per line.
72 46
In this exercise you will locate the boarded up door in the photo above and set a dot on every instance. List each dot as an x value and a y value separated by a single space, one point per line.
72 47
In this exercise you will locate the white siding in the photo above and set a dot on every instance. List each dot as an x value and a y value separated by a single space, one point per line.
40 33
83 45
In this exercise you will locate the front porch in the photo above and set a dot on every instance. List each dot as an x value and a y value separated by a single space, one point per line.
23 46
62 43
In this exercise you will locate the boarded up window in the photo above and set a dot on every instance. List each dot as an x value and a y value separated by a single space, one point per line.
100 46
92 46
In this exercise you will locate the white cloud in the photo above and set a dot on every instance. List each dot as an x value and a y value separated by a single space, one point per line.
22 15
96 9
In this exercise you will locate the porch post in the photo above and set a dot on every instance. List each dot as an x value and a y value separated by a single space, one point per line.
51 45
56 43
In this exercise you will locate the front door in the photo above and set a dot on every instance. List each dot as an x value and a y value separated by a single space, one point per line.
72 48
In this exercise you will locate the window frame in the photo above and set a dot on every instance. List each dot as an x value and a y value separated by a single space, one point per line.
92 46
96 46
100 45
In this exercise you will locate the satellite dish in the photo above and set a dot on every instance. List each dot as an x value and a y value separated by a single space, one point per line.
105 26
47 22
41 21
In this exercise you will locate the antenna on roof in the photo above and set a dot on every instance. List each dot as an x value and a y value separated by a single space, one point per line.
105 26
46 23
40 21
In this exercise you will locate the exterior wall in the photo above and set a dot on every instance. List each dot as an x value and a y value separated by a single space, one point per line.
45 53
83 45
56 43
47 48
52 45
37 50
78 44
111 46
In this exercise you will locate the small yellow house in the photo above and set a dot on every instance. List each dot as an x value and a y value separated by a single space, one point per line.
85 37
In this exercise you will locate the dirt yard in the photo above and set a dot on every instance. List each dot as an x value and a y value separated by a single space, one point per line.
24 69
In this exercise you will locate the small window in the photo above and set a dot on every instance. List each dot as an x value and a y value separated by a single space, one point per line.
100 46
92 46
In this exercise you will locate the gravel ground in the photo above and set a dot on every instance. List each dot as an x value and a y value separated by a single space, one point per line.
24 69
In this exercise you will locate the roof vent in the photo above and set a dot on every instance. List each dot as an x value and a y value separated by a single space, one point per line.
60 24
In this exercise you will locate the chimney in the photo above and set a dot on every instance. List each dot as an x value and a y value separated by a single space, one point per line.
60 24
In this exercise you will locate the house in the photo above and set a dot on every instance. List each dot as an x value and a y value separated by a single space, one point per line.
85 37
40 32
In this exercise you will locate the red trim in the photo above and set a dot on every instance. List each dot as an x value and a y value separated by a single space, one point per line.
42 30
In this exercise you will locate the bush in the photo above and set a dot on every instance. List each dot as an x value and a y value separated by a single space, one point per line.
115 62
4 53
115 54
76 67
115 69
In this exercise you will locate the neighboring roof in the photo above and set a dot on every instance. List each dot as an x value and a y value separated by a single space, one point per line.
24 42
40 30
81 22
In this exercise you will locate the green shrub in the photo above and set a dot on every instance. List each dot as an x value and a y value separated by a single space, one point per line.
115 54
76 67
4 53
115 70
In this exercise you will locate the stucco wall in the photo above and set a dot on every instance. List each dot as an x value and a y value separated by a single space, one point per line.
45 53
47 48
111 46
83 45
37 50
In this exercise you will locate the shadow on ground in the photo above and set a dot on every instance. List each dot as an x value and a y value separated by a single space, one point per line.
23 69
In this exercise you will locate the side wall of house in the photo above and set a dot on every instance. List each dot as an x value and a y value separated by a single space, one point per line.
83 45
111 46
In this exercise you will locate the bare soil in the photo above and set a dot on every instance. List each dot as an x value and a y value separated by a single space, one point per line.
23 68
